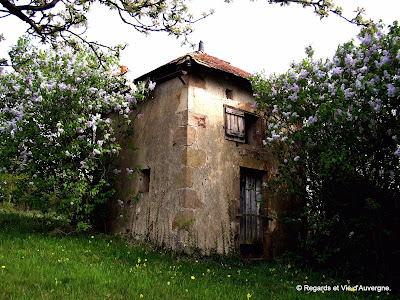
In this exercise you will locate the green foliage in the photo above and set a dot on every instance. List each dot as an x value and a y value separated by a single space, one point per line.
57 131
41 261
334 126
184 224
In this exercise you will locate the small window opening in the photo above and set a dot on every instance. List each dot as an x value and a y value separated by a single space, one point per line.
243 127
253 129
144 181
229 94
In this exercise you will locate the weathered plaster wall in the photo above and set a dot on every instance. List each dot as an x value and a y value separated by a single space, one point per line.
218 177
157 135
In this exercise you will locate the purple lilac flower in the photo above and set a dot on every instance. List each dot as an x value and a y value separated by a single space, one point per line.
152 85
391 90
264 184
348 93
337 71
254 105
385 59
366 40
62 86
303 73
312 119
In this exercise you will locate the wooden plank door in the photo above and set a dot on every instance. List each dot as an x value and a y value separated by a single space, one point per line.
251 218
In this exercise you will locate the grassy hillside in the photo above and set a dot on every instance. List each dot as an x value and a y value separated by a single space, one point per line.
38 261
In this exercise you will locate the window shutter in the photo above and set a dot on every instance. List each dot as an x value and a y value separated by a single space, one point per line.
234 124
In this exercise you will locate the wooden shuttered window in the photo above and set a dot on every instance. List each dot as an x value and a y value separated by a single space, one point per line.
235 124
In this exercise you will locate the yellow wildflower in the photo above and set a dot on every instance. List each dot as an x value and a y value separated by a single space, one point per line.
229 275
3 267
92 237
168 283
192 277
141 296
248 295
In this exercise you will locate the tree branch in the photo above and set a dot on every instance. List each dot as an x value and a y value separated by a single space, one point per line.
37 7
13 10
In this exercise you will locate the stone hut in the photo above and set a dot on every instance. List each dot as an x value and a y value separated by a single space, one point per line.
203 165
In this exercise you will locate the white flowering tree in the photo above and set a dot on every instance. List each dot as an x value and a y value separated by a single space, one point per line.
335 126
55 126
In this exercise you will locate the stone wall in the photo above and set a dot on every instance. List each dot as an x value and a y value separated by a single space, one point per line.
194 194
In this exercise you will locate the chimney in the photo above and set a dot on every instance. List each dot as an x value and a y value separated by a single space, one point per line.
124 69
201 46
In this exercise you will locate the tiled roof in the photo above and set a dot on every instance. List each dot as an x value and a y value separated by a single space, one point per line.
212 62
199 58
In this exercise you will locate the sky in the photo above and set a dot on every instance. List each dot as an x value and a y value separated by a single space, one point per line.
254 36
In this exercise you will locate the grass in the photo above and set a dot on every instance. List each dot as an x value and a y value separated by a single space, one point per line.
38 262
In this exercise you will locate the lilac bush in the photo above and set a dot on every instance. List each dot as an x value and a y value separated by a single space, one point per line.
334 125
55 126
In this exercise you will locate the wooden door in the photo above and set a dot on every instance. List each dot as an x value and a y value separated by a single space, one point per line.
251 218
